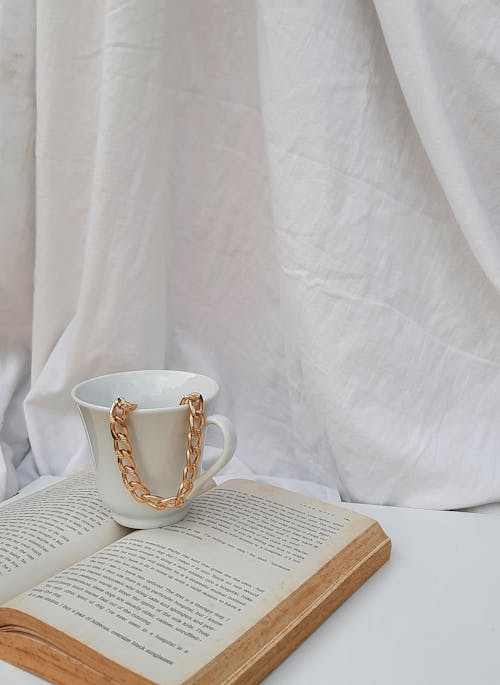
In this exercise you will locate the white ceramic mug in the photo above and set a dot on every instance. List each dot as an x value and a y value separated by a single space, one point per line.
158 434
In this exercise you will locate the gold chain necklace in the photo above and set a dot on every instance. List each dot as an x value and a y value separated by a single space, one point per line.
126 462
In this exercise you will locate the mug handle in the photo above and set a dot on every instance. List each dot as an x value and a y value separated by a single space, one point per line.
229 436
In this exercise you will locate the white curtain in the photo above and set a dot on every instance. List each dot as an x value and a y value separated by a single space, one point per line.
299 199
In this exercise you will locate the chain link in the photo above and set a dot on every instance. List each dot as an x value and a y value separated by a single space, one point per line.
126 461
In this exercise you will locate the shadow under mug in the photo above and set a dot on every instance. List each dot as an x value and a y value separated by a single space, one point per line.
157 431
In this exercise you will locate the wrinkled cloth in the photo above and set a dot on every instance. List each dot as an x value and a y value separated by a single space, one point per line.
297 199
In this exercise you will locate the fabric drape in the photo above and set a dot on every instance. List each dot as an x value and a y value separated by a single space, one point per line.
296 198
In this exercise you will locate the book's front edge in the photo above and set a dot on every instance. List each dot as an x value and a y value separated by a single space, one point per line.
264 646
39 648
28 653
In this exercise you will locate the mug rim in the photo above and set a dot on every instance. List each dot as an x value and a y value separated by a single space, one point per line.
151 410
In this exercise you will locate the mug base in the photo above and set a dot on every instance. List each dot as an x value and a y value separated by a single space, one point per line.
156 520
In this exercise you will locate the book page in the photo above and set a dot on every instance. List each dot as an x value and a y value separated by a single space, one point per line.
45 532
163 602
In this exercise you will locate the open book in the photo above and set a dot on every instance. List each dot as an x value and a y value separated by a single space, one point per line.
220 597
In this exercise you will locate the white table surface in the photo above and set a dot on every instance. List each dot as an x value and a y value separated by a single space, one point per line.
431 616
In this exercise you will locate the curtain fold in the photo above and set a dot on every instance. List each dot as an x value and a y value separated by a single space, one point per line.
297 199
17 216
